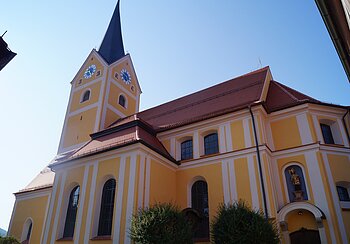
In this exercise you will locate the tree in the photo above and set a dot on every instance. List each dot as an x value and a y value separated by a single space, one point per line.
237 223
8 240
160 223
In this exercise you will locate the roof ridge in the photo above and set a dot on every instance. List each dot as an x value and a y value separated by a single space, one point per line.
204 100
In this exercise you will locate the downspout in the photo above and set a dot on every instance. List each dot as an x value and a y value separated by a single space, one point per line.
259 163
346 128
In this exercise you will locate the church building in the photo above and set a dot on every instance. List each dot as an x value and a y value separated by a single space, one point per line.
249 138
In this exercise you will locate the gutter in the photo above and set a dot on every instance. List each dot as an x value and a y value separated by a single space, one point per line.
259 163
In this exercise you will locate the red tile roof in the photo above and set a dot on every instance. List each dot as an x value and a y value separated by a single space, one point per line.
213 101
280 96
226 97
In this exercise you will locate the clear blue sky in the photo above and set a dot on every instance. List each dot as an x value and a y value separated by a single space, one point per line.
178 47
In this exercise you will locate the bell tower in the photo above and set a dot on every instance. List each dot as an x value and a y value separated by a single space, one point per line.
104 89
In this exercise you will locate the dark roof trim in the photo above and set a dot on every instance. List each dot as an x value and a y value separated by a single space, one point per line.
121 127
107 149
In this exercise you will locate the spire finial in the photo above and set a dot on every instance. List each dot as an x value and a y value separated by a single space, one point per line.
112 47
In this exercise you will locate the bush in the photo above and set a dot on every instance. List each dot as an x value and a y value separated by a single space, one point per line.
161 223
8 240
237 223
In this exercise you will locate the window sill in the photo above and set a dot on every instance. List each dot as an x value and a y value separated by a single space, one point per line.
345 205
65 239
101 238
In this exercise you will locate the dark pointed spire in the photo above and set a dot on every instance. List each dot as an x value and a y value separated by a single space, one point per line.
112 47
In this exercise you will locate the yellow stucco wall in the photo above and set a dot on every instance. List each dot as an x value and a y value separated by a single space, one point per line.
162 183
34 208
242 180
296 221
79 127
285 133
237 134
337 164
113 97
76 103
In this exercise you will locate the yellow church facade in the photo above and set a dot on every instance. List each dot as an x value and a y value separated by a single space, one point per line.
249 138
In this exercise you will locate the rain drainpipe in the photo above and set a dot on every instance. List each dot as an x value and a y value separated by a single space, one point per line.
259 163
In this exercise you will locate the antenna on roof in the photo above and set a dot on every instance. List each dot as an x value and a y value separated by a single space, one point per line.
4 34
260 64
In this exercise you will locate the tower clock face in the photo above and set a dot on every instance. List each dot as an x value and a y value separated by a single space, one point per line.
125 76
90 71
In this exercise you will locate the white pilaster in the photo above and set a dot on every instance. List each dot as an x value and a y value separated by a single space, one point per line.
304 129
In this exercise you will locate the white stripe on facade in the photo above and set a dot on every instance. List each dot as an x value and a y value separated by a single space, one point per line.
342 132
58 209
225 182
196 144
172 147
317 128
304 129
233 185
148 181
247 138
318 189
83 109
222 144
81 204
118 205
141 182
46 211
130 201
52 203
335 198
91 203
116 111
252 181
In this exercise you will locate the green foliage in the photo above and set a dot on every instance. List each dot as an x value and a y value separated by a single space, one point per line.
8 240
237 223
161 223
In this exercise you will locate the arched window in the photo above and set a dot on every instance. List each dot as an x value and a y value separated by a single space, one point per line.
199 199
27 231
71 213
187 149
107 205
295 183
211 144
122 101
86 96
343 194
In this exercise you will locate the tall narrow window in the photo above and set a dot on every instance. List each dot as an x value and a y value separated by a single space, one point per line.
71 213
107 205
186 150
199 196
295 183
86 96
211 144
343 194
327 134
29 231
122 101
